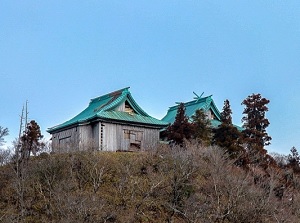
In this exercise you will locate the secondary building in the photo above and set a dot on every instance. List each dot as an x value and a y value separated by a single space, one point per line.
207 104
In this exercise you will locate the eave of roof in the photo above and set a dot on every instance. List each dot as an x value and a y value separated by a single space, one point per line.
134 118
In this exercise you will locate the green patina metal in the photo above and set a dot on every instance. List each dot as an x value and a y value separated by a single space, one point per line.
105 108
205 103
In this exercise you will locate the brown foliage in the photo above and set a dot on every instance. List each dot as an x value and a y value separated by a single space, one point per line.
178 184
181 129
255 123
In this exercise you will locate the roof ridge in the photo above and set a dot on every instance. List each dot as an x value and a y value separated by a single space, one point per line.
114 101
109 94
204 99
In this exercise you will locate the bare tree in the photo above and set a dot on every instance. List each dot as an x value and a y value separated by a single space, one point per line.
5 156
280 159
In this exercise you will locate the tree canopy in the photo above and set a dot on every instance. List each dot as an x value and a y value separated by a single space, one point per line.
226 135
226 113
31 139
202 127
256 123
293 160
181 128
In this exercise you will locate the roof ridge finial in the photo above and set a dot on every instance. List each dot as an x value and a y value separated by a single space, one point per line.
197 96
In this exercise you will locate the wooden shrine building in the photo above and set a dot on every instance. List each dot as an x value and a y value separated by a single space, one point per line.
110 122
205 103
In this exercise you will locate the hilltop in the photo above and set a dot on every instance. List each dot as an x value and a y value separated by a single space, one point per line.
168 184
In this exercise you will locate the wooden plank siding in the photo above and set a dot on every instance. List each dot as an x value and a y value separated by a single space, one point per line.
89 137
66 140
105 136
114 137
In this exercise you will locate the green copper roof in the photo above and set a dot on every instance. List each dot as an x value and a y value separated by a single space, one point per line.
104 108
135 118
204 103
216 123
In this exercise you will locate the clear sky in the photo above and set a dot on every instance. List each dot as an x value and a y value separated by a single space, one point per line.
60 54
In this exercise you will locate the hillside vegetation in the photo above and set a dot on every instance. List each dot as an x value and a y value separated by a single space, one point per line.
179 184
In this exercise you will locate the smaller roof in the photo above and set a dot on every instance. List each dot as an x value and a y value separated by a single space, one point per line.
205 103
105 108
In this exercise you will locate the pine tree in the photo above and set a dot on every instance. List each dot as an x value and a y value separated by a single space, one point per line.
181 128
226 113
202 127
255 124
226 135
31 140
294 160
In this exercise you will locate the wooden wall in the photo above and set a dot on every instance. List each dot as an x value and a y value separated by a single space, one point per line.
85 137
66 140
89 137
106 137
125 137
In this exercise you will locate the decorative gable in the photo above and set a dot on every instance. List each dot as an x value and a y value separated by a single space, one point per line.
128 108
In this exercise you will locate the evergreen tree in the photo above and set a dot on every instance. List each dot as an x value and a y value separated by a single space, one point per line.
293 160
226 135
3 132
30 140
226 113
181 128
255 124
202 127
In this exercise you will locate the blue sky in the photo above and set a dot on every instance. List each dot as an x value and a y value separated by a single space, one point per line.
60 54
